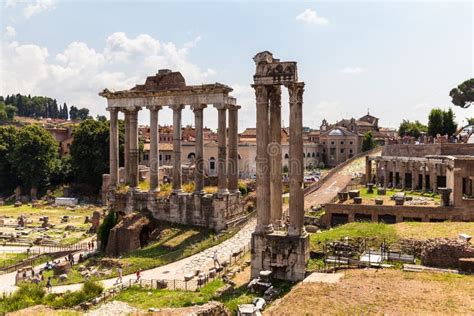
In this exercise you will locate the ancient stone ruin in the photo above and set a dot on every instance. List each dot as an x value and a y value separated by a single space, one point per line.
167 88
283 252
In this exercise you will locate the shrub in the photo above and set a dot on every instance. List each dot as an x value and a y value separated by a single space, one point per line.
89 290
104 229
28 294
188 187
243 187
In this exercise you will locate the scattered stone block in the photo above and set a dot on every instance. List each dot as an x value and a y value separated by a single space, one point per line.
378 202
381 191
370 188
399 201
189 276
342 196
62 268
466 265
357 200
311 228
63 277
354 193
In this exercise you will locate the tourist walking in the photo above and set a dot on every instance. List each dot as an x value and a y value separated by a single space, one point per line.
138 276
216 260
49 286
119 272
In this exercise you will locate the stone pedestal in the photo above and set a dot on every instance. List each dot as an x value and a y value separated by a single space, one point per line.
445 196
284 255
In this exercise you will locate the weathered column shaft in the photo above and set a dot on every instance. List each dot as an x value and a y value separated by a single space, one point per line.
401 172
385 174
177 147
126 150
296 168
222 149
233 161
423 180
199 148
368 169
434 178
274 151
264 224
113 147
133 153
413 176
154 148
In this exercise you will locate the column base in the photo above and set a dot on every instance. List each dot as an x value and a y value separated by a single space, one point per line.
199 192
286 256
177 191
296 232
223 192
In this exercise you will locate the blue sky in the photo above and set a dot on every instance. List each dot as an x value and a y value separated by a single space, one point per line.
399 59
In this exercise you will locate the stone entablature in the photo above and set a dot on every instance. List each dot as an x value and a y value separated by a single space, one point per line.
422 150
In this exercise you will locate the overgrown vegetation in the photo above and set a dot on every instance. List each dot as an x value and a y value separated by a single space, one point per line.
29 294
104 229
146 298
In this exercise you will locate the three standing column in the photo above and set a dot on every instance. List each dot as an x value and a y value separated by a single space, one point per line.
154 148
296 169
222 149
177 147
113 149
233 161
199 148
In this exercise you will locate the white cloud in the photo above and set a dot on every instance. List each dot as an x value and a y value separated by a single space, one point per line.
11 3
38 6
245 96
10 31
352 70
79 72
309 16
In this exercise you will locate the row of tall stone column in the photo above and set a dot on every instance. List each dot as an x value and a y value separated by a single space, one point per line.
227 162
415 168
269 165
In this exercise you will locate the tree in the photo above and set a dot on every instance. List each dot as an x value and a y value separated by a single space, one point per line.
449 126
463 95
8 178
413 129
83 114
73 113
101 118
34 156
470 120
368 141
10 110
435 122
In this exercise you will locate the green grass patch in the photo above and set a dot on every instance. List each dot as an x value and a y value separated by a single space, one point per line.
148 298
390 192
377 232
30 294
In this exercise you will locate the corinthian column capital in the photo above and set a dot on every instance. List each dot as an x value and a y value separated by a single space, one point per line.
295 90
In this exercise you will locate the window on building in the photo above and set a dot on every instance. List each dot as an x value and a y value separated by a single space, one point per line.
332 143
342 150
350 143
286 156
342 143
350 151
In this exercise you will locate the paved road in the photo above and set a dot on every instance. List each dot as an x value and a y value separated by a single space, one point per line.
204 260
